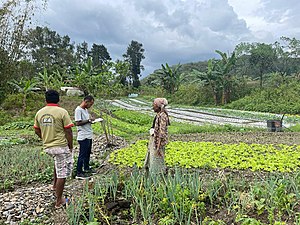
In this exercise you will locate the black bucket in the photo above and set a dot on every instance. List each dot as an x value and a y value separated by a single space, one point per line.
274 125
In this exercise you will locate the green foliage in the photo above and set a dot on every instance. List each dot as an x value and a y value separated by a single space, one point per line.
170 78
192 94
173 199
19 125
132 117
14 102
281 99
128 124
17 170
134 56
295 128
7 68
99 55
5 117
281 158
12 141
150 93
54 53
188 197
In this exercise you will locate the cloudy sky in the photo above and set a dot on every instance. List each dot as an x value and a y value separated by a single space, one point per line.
173 31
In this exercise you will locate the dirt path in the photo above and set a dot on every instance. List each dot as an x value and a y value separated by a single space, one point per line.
36 201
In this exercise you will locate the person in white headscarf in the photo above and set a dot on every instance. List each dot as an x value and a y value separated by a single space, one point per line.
155 158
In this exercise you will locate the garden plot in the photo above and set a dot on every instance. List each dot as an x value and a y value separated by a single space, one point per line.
194 116
124 105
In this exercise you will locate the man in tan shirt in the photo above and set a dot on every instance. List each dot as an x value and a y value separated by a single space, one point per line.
54 126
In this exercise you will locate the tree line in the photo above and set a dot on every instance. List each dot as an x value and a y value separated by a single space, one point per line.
227 76
39 56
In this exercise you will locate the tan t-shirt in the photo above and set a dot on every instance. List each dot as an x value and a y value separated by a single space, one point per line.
52 120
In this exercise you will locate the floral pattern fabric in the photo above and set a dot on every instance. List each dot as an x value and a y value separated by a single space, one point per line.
161 130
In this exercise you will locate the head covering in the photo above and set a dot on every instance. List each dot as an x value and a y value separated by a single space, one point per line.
161 102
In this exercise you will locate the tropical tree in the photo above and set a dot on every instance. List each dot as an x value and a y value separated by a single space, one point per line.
82 52
24 86
122 71
218 77
170 78
58 79
287 56
49 49
45 79
242 65
82 76
99 55
211 78
224 69
262 58
134 55
15 18
6 70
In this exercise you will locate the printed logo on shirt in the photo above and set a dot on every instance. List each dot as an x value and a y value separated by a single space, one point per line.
47 120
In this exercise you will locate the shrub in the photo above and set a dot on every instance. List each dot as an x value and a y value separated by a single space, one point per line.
34 102
282 99
192 94
13 101
5 117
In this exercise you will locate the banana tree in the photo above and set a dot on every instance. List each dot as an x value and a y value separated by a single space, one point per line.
224 69
58 80
24 86
170 78
82 77
45 79
211 78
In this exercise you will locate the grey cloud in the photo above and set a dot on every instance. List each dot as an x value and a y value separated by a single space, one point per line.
278 11
171 31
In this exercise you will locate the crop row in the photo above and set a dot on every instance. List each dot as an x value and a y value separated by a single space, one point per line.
128 124
228 112
255 157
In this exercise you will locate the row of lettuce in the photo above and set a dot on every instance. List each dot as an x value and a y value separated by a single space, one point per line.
210 155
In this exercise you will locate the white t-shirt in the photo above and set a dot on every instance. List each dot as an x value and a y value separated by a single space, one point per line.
85 131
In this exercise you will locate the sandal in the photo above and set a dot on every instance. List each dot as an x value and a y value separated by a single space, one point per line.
64 205
51 188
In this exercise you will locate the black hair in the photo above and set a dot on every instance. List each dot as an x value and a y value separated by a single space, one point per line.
88 98
52 96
